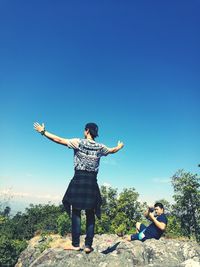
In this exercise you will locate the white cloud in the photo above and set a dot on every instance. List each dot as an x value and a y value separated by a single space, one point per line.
29 196
161 180
5 177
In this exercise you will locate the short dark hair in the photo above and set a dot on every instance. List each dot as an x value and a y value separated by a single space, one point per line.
93 129
158 204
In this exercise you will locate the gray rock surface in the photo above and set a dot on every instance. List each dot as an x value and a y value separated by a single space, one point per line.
110 251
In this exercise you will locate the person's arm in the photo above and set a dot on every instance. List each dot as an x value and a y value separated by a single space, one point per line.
41 129
116 148
160 225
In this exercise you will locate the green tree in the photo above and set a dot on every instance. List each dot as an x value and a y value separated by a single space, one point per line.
103 226
42 218
108 210
187 207
10 250
6 211
4 202
109 201
174 229
128 211
64 224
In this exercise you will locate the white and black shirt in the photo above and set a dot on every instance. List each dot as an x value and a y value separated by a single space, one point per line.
87 153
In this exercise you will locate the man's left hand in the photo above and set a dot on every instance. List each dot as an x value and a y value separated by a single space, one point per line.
151 216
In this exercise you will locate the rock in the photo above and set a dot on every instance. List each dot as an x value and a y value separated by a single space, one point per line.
190 263
110 251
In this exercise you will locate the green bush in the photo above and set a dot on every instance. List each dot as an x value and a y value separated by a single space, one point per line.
10 250
63 224
174 229
103 226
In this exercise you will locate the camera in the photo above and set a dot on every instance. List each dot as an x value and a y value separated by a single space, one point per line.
151 209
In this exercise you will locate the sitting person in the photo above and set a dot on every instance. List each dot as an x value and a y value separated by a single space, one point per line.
155 229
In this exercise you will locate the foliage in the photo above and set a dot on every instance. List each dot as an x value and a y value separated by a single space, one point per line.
103 226
119 212
187 202
128 211
14 231
174 229
5 212
109 205
42 217
63 224
10 250
109 201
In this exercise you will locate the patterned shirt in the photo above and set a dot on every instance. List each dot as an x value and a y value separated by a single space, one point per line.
87 153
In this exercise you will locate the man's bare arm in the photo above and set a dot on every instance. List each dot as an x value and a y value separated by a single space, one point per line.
41 129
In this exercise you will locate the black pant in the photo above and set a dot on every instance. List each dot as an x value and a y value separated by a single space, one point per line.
76 227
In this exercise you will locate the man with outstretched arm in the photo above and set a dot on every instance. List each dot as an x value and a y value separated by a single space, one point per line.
83 191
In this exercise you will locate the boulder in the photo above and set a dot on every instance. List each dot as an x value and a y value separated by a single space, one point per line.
110 251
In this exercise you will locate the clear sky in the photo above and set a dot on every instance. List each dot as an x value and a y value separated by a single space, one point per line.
130 66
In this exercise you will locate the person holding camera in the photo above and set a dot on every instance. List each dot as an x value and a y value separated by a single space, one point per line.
155 229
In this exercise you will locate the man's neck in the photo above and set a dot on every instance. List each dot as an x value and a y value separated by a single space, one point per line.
89 137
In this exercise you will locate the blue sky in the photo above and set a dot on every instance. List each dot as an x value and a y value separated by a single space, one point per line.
131 67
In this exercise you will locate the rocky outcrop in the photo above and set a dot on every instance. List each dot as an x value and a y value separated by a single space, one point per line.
110 251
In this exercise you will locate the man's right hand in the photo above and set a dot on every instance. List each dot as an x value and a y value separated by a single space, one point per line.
39 128
120 144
